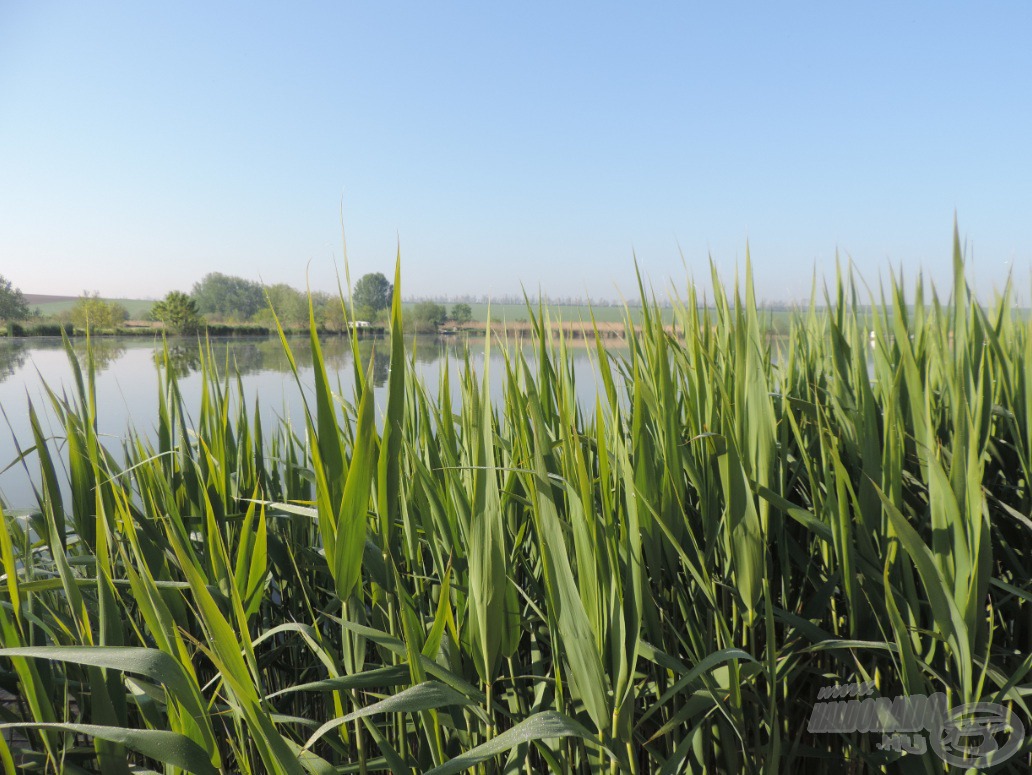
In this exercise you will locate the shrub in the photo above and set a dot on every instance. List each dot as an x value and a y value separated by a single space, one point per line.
461 313
177 312
428 316
92 312
40 328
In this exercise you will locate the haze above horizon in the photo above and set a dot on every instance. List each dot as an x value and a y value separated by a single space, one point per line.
542 145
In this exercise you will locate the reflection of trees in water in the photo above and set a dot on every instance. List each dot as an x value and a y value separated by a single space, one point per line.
105 352
336 354
268 354
429 350
14 354
381 367
426 351
253 355
12 358
183 360
246 356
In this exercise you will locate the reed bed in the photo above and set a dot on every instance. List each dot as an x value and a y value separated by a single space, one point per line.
662 581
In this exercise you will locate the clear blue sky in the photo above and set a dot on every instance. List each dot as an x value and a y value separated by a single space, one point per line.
145 144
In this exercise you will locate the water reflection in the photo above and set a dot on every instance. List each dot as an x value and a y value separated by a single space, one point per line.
381 367
182 361
105 352
267 355
243 356
235 356
15 353
12 358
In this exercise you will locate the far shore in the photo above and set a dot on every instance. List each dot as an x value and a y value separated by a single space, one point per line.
518 329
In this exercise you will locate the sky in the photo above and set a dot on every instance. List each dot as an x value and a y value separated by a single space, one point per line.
504 145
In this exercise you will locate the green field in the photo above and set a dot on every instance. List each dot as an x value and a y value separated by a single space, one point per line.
667 578
138 308
566 312
775 320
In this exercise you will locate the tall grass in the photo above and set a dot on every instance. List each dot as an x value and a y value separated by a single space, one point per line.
661 581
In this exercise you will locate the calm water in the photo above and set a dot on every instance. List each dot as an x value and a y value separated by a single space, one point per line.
127 383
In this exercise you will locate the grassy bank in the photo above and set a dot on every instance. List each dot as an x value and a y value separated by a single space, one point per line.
662 581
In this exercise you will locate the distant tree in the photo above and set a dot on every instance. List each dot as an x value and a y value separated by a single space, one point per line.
119 313
291 306
321 302
428 316
461 313
372 293
227 296
330 311
178 312
92 312
13 305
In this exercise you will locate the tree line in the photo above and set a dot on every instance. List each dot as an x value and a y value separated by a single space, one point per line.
226 299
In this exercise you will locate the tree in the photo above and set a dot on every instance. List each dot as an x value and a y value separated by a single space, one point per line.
13 305
228 296
372 294
330 311
178 312
461 313
428 316
290 304
91 312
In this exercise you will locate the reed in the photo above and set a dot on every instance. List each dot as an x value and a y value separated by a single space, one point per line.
661 581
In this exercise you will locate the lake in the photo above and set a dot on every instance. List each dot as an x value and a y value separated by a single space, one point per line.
127 382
